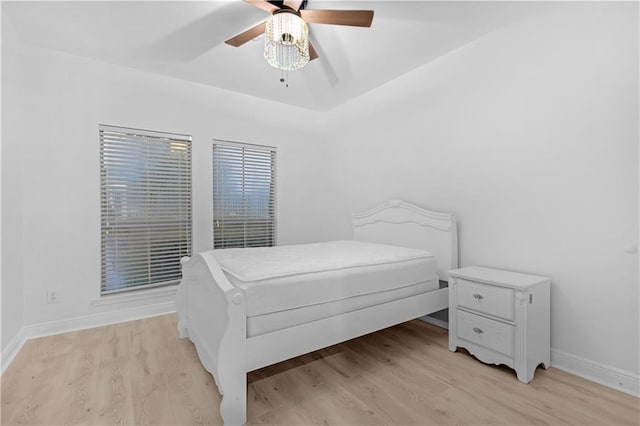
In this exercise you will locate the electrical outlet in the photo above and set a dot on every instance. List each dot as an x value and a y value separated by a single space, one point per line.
52 296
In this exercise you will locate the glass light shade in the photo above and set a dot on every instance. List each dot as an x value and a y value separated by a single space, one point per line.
286 41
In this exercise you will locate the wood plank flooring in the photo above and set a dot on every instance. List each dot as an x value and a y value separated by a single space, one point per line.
140 373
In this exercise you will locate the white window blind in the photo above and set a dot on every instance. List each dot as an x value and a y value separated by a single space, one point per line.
244 180
145 206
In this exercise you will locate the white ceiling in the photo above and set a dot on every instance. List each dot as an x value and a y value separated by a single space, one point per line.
186 40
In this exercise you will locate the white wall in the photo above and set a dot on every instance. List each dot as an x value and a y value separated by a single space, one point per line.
530 135
12 307
51 180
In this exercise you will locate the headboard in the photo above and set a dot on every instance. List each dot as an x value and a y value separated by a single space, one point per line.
403 224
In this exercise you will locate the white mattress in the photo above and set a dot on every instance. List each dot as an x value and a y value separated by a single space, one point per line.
284 278
266 323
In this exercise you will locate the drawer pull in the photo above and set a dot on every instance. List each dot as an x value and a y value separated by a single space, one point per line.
478 296
477 330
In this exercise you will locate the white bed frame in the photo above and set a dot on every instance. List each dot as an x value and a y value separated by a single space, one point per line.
212 312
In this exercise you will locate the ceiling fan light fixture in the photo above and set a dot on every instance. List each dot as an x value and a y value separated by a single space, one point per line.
286 41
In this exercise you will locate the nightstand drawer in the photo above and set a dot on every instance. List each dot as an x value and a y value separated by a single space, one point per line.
485 332
487 299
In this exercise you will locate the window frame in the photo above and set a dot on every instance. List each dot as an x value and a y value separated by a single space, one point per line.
149 136
274 189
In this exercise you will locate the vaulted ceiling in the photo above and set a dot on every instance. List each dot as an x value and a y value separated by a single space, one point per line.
186 40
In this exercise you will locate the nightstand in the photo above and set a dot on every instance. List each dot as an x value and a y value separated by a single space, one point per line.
501 317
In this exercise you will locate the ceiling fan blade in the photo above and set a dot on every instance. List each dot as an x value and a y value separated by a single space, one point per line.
312 52
293 4
354 18
264 5
246 36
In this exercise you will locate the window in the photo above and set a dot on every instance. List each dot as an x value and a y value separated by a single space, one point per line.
243 195
145 206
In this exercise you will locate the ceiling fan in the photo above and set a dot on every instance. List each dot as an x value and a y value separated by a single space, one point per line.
287 45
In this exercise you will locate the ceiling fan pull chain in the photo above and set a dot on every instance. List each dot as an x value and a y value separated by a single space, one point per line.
284 77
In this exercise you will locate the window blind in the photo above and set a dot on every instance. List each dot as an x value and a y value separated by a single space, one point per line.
145 207
243 195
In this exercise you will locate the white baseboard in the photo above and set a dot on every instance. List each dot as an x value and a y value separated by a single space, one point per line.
12 349
81 323
612 377
98 320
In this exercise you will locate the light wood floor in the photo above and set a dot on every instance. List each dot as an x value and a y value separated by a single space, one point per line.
140 373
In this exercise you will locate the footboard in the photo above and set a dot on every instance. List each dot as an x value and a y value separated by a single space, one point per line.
212 313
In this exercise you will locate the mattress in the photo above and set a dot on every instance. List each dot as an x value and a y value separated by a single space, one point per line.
266 323
334 274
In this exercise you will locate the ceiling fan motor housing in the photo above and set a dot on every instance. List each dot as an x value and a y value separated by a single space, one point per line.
281 4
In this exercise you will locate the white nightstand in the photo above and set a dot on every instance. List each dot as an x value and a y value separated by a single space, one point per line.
501 317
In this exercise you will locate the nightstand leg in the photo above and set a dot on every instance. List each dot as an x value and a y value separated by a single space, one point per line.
453 315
